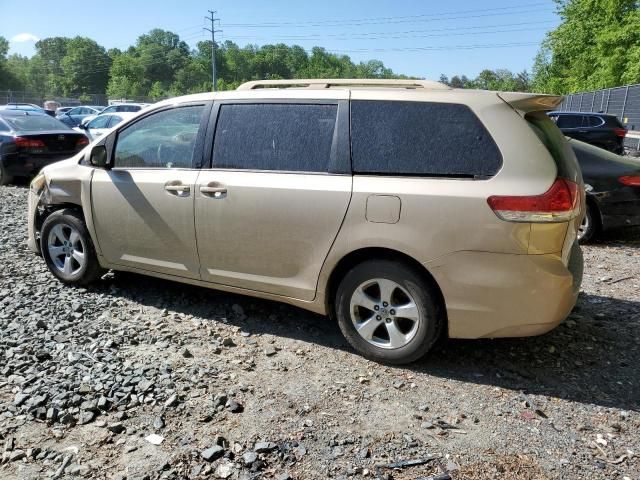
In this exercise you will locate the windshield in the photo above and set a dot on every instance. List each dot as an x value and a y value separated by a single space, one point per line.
35 123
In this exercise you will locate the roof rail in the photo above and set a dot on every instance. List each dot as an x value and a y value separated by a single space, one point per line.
343 82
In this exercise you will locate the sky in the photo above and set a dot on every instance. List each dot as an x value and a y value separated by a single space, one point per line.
421 38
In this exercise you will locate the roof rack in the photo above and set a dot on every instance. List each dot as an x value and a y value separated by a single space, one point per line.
344 82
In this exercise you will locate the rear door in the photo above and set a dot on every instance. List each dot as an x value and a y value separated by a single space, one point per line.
269 209
143 206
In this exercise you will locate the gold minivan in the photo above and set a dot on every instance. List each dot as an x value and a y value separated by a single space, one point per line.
406 209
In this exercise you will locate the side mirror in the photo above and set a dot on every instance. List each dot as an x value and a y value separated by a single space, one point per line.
98 156
83 126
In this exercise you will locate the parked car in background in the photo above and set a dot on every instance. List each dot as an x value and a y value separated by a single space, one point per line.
612 183
32 140
73 117
599 129
120 107
61 110
25 107
102 123
406 209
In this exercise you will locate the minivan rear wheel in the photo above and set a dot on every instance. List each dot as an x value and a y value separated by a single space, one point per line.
387 312
67 248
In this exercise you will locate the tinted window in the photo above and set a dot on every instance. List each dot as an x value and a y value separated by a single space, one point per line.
593 121
420 138
569 121
282 137
36 122
128 108
555 142
99 122
109 109
162 140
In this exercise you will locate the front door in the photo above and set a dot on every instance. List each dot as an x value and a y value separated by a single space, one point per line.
269 210
143 206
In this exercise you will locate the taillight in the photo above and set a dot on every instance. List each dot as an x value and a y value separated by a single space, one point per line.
22 142
560 203
630 180
620 132
82 142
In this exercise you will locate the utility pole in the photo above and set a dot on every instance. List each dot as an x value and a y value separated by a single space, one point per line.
213 44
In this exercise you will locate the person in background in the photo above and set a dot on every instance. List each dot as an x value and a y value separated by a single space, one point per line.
50 107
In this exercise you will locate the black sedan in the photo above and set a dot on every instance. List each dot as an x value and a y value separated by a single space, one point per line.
612 183
32 140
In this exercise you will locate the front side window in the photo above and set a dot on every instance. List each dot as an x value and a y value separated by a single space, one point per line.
165 139
420 139
280 137
569 121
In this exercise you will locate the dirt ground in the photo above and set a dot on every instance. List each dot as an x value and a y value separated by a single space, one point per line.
242 388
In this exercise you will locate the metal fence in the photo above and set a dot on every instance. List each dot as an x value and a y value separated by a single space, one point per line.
623 102
37 98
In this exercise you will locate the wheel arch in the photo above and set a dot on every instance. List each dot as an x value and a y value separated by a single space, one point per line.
361 255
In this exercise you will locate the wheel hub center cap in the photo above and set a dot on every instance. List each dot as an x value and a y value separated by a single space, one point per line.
384 311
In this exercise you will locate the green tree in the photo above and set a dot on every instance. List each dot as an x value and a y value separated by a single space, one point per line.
86 67
595 46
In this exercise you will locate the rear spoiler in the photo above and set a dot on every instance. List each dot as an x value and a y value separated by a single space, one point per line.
531 102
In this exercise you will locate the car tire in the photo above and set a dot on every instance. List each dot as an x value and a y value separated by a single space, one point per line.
589 226
5 178
68 250
388 312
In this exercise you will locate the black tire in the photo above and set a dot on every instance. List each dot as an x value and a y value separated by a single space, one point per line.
590 225
5 178
428 327
70 220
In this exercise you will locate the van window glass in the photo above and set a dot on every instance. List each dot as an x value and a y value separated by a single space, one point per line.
279 137
420 138
165 139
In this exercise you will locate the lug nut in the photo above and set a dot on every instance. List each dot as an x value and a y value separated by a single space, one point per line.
388 320
378 317
376 308
393 312
385 304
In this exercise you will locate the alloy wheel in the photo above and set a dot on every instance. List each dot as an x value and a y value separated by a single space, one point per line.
384 313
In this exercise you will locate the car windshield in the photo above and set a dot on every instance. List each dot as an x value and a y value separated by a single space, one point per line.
34 123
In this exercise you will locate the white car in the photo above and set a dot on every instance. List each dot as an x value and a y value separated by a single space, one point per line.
102 123
117 108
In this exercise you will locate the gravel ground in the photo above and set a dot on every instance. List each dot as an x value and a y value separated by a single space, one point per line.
233 387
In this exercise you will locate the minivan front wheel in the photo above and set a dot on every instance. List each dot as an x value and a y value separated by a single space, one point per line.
387 312
67 248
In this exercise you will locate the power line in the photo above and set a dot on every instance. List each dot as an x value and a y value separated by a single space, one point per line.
456 15
397 37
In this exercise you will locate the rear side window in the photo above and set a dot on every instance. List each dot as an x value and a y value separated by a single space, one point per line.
593 121
420 138
554 141
280 137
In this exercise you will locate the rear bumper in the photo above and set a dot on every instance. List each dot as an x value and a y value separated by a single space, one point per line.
619 208
502 295
20 165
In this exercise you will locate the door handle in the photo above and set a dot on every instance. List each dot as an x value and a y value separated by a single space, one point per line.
177 189
215 192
